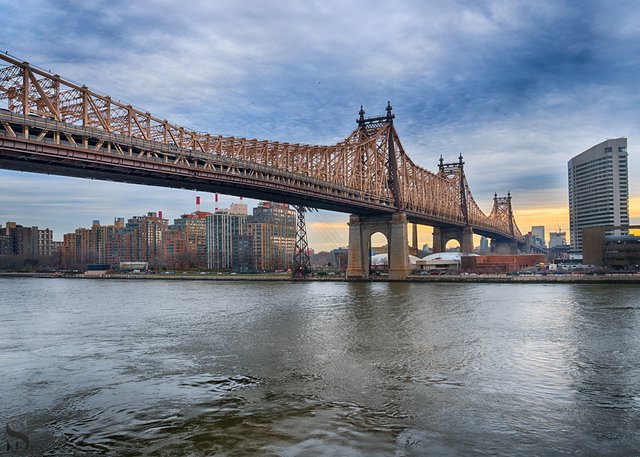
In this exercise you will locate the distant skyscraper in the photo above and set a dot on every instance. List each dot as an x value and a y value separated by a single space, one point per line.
598 189
537 232
484 245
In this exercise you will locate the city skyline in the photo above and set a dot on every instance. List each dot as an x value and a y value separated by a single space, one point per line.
335 239
228 239
517 91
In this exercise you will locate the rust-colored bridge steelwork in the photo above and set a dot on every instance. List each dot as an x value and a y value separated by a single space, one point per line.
52 125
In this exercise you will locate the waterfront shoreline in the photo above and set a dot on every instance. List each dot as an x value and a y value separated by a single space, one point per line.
490 279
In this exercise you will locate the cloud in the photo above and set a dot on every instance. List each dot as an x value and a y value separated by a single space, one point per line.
64 204
517 88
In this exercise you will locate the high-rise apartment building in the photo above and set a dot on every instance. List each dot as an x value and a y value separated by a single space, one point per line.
99 244
143 238
76 248
192 228
27 247
272 228
5 242
46 247
228 239
598 189
175 250
26 241
223 229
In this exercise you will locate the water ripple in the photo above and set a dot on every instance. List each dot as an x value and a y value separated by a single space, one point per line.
164 369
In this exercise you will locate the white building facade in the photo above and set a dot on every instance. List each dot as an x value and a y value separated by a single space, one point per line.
222 228
598 189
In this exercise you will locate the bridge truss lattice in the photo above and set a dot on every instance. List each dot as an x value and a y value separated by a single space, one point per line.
368 171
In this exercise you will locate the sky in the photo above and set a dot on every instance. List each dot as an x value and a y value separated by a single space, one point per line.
517 87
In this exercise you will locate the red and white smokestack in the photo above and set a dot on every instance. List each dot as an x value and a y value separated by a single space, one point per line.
241 198
216 203
198 203
160 214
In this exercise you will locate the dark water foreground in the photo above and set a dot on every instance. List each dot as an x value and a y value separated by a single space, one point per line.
288 369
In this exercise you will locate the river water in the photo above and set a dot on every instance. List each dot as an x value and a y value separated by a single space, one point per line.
319 368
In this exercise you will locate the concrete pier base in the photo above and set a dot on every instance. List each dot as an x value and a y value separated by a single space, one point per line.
442 235
360 231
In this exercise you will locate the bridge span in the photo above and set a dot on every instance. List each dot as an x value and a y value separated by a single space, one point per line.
52 125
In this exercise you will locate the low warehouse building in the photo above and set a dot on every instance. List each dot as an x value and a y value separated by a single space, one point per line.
500 263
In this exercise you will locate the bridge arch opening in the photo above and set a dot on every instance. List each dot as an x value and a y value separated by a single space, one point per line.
452 245
378 253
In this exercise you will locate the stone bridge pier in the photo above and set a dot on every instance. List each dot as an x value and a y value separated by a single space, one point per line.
442 235
394 228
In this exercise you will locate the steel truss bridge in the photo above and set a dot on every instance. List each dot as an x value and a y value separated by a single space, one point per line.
52 125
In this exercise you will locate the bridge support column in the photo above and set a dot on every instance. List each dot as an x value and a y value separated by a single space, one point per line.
398 248
464 236
395 230
466 247
358 251
438 243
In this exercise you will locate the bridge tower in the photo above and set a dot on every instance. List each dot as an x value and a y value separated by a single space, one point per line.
414 240
394 226
464 235
502 210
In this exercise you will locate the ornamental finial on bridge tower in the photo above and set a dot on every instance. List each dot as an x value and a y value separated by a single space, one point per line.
360 120
460 162
389 108
441 164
